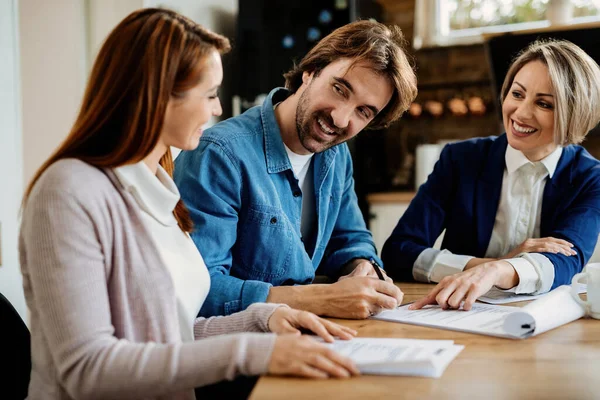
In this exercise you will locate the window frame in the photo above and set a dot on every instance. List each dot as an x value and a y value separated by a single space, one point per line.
432 27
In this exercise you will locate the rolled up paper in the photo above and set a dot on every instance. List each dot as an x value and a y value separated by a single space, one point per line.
555 309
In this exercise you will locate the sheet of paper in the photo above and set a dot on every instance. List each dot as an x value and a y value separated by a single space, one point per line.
497 296
384 350
383 356
482 318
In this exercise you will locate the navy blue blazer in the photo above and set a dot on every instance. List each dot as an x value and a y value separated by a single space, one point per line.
462 195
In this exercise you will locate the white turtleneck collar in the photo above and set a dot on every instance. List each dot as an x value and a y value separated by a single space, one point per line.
157 197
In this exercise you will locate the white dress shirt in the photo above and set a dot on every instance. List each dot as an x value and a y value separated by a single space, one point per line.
517 219
157 199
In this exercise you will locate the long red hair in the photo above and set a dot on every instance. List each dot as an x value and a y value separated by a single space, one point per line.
150 56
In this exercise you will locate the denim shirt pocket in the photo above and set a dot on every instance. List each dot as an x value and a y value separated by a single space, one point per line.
265 243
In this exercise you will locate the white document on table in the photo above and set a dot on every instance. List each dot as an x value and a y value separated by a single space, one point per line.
409 357
553 310
497 296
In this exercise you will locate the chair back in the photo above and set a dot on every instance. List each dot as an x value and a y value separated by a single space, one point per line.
15 352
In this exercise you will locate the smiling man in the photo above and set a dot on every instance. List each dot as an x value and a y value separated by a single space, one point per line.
271 191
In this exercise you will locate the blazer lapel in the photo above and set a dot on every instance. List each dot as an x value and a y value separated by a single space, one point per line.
552 192
487 196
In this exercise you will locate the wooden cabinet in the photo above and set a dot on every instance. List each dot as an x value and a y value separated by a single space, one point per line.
383 219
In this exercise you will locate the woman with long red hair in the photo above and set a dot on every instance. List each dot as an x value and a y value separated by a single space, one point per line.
111 277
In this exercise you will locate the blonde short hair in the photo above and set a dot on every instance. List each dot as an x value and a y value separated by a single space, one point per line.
575 78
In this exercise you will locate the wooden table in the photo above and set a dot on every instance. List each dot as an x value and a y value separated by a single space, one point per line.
563 363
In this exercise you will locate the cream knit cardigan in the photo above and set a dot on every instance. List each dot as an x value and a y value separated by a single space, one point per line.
103 307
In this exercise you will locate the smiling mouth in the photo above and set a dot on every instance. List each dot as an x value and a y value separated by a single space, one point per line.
325 127
522 129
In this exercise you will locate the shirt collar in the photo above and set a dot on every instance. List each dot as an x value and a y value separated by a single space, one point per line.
276 156
157 197
516 159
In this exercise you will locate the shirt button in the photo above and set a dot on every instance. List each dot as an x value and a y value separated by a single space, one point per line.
297 193
274 220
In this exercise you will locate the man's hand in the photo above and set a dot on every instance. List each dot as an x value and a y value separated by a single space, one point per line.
543 245
362 267
288 320
468 285
355 297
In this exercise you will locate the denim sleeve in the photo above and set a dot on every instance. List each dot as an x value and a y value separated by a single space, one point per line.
210 185
350 238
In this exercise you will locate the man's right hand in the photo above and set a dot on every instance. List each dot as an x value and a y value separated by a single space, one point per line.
355 297
360 297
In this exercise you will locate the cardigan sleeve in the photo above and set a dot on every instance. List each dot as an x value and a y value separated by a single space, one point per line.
63 261
254 319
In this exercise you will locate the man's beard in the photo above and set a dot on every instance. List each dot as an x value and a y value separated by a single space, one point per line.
305 123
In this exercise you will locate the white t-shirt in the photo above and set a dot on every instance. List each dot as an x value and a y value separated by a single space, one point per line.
303 170
157 197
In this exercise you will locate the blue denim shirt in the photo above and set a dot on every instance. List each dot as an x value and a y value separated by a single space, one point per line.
245 203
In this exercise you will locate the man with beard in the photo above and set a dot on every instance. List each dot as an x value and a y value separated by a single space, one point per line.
271 191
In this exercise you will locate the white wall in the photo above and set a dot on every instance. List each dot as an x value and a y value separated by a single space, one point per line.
102 17
59 41
53 72
11 178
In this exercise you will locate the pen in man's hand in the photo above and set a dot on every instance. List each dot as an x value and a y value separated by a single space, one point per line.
376 268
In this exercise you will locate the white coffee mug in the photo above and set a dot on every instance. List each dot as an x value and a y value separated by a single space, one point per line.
592 305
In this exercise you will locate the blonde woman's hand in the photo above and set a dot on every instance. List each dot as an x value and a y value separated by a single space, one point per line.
303 356
289 320
543 245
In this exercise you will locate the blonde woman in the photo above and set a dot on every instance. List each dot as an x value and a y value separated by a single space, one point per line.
522 210
111 277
